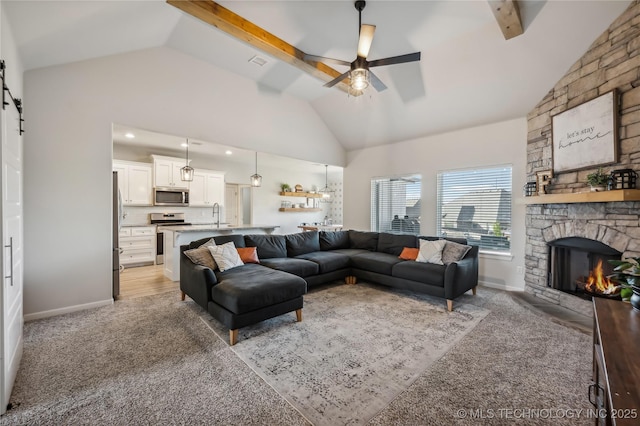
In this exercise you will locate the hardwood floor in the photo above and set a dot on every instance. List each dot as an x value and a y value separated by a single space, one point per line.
145 281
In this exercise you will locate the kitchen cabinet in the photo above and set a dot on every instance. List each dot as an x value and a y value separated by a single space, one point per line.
137 245
206 189
166 172
134 182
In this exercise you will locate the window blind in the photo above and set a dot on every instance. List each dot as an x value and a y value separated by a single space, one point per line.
395 204
476 205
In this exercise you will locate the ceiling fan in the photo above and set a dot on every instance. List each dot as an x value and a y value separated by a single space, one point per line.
359 72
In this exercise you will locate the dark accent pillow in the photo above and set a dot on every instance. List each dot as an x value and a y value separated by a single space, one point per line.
394 243
363 240
302 243
236 239
269 246
334 240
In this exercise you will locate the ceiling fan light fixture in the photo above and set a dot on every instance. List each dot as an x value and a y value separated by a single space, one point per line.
359 79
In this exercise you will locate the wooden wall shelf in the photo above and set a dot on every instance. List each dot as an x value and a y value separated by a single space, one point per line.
586 197
301 194
297 209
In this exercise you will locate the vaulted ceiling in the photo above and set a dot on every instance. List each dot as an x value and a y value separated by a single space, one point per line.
469 74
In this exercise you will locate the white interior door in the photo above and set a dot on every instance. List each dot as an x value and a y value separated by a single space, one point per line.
12 265
231 203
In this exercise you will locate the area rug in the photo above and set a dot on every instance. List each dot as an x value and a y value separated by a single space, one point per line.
357 348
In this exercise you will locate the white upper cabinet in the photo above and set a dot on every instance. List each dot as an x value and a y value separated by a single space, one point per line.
134 182
206 189
167 172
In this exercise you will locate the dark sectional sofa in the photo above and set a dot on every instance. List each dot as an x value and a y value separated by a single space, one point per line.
289 264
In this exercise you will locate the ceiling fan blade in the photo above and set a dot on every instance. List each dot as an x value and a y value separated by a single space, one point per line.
315 58
365 39
337 80
410 57
376 82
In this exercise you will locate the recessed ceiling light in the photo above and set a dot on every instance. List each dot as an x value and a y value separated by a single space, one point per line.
228 152
184 144
129 135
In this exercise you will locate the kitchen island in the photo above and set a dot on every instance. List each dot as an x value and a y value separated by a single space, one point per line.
177 235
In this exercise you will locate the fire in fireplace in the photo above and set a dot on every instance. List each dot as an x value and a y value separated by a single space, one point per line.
579 266
598 284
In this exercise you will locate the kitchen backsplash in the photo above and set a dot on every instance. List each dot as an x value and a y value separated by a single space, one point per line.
140 215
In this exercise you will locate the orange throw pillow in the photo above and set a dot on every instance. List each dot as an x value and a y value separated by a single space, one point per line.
409 253
248 254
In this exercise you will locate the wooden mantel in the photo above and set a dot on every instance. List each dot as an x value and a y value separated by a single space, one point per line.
586 197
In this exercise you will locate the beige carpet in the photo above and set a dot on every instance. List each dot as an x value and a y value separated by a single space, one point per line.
154 360
356 350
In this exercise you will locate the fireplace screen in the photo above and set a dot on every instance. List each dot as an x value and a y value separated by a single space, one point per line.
580 266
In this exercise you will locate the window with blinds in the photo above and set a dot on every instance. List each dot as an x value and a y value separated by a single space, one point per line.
395 204
476 205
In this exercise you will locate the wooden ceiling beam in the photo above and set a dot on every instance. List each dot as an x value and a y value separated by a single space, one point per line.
507 14
246 31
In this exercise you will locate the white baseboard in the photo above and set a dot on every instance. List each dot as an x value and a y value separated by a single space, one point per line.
500 286
66 310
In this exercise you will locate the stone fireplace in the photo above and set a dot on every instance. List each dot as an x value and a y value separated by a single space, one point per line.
609 230
611 63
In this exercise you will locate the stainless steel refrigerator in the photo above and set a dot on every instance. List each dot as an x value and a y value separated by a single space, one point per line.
116 213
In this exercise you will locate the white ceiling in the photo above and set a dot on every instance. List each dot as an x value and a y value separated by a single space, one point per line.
469 75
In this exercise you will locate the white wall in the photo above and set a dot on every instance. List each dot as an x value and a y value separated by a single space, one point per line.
490 145
69 111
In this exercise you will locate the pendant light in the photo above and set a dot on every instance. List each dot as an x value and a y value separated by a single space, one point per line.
256 179
326 192
186 173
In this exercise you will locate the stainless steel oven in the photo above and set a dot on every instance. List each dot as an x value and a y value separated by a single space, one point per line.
164 219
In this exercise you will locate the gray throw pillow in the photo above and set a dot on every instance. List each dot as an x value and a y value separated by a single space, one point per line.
202 256
454 252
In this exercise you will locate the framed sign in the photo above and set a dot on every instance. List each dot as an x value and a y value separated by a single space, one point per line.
586 136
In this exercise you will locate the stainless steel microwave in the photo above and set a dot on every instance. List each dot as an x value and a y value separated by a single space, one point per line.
170 196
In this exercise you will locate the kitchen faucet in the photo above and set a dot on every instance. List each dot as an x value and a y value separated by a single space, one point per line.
216 210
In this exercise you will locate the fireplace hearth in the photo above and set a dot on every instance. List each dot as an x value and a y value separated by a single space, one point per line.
579 266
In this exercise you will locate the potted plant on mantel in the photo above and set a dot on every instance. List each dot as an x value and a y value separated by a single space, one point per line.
627 274
598 180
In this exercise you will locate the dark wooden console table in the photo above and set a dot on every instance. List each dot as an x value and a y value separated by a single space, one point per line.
616 362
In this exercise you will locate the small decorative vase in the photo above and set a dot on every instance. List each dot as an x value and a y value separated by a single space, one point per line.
598 188
635 297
